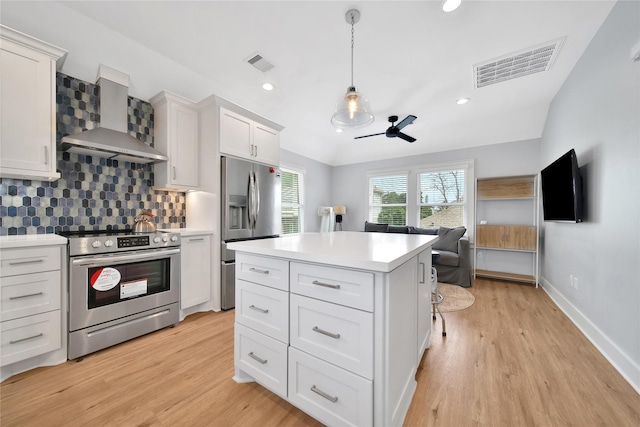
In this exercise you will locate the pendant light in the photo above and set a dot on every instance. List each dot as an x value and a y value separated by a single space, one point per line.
352 110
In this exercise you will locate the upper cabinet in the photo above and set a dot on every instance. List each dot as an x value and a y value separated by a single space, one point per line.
248 138
176 133
27 101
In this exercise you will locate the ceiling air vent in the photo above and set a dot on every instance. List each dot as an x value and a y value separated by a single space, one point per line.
529 61
259 62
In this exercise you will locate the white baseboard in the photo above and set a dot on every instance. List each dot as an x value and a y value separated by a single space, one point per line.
629 369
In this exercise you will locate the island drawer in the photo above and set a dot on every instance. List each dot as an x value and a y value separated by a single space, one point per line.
337 334
264 309
272 272
29 294
339 285
330 394
30 336
29 260
263 358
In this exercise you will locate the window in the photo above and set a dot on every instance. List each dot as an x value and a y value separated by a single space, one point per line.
442 198
292 201
438 195
388 199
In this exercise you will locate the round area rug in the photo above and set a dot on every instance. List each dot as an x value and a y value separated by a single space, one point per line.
455 298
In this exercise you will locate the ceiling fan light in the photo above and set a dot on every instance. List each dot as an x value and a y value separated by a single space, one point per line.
450 5
352 111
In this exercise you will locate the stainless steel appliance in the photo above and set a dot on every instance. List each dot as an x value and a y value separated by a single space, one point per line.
121 285
250 210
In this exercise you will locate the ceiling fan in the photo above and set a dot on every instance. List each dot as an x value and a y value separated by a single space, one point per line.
394 130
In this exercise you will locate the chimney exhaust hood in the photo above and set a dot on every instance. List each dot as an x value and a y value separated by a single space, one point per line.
112 139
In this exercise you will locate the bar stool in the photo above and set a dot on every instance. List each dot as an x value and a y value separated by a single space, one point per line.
436 298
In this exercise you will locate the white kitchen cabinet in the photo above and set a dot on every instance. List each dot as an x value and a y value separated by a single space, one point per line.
424 301
355 334
32 325
28 104
195 270
249 139
176 134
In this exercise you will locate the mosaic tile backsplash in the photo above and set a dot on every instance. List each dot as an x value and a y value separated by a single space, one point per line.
93 193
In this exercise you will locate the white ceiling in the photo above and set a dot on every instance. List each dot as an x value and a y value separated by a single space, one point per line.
410 58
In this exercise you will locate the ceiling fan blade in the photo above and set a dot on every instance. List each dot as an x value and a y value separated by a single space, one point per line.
406 121
367 136
405 136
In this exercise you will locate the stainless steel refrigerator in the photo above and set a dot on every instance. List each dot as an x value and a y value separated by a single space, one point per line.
250 197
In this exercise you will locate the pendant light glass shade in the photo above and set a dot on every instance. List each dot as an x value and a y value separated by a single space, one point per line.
352 111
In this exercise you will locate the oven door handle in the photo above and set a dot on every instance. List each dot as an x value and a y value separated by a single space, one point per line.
105 260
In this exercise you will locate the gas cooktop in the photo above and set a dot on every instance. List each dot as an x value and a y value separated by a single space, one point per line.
102 233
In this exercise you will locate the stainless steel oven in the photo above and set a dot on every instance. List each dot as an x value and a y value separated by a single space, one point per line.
121 287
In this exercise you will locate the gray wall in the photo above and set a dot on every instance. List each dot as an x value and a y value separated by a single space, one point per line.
317 191
350 181
597 112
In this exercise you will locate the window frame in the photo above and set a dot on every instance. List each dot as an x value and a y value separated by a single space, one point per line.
413 187
301 172
387 173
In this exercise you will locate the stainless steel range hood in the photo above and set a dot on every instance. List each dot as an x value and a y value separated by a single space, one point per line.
112 139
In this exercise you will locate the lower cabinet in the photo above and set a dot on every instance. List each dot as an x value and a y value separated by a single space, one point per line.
195 270
339 343
32 322
328 393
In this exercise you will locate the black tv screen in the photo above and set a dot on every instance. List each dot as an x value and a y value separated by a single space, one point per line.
562 189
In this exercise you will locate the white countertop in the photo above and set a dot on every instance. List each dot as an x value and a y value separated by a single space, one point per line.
188 231
10 242
368 251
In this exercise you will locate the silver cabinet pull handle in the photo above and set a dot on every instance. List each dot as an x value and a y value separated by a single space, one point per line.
326 285
323 332
32 261
255 270
316 390
46 155
422 266
253 356
200 239
25 339
261 310
27 296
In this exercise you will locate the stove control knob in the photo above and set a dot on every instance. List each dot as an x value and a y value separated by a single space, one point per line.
174 238
96 243
108 243
165 239
156 239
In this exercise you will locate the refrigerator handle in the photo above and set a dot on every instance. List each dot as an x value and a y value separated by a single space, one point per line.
257 199
252 200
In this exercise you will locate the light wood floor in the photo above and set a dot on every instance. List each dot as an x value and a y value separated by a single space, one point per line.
512 359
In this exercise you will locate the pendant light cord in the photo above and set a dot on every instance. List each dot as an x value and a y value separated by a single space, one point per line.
352 43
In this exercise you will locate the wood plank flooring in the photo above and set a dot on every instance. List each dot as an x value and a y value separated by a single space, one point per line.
511 359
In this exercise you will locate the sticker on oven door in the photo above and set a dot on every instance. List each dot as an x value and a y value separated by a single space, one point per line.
133 288
105 278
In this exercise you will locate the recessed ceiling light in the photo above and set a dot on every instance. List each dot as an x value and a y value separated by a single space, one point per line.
339 130
450 5
462 101
268 86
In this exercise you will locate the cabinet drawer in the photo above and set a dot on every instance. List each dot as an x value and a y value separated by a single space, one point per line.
337 334
338 285
30 336
29 260
263 358
330 394
272 272
29 294
264 309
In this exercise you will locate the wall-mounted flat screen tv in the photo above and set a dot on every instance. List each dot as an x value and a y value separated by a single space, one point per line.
562 189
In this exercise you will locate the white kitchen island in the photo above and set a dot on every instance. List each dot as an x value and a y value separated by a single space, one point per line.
335 323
